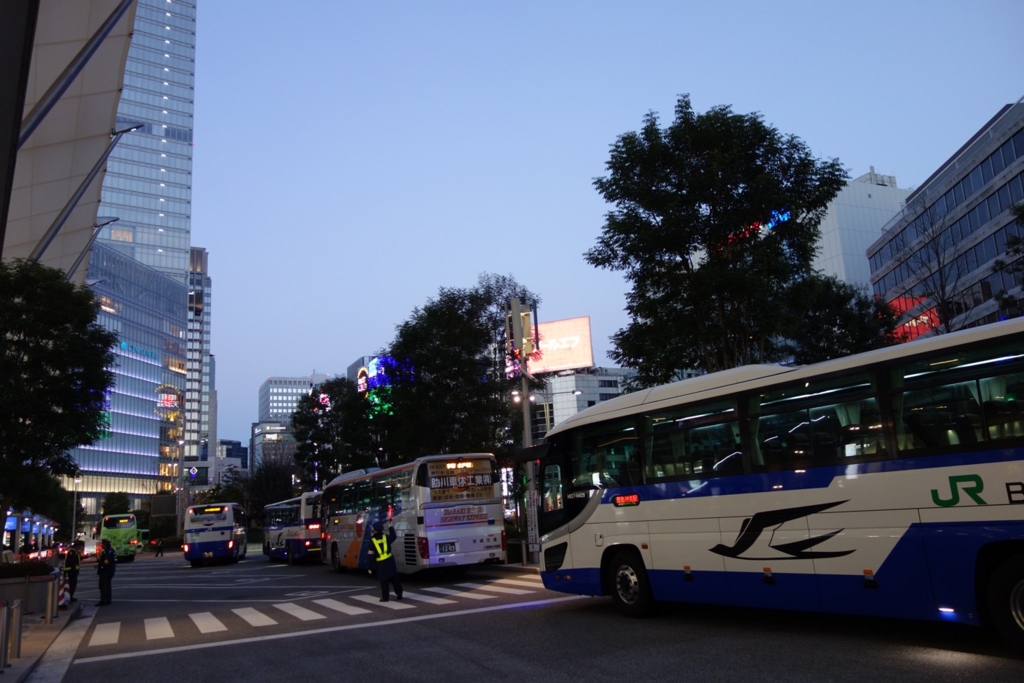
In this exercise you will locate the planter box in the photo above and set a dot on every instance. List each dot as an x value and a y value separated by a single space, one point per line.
30 590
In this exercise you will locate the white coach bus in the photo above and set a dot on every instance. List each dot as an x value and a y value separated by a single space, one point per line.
890 483
291 529
446 511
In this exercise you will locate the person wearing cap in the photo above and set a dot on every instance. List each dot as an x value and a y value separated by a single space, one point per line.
106 565
387 568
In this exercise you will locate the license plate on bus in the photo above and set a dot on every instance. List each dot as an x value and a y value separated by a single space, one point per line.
446 547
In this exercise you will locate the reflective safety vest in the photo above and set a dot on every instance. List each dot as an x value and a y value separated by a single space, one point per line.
382 548
75 561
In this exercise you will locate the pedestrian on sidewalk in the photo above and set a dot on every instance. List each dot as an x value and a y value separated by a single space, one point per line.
387 568
159 548
72 563
106 566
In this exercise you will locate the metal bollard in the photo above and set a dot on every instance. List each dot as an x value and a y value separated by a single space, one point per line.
15 649
49 604
5 613
522 551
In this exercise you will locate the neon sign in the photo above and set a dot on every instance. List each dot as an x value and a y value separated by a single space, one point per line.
775 218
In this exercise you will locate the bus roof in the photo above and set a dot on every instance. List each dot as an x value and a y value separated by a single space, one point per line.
726 382
356 474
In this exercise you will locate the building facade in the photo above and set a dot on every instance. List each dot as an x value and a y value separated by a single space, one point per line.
272 441
148 184
935 260
279 396
200 397
852 222
140 452
567 393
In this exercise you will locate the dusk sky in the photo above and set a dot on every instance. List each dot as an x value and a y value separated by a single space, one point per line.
353 158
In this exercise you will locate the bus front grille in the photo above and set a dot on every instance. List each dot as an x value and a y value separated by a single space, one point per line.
409 541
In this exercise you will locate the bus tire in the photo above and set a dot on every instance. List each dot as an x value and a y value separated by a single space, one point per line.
630 589
1006 600
289 552
336 560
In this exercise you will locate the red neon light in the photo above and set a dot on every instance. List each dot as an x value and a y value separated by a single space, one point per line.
627 499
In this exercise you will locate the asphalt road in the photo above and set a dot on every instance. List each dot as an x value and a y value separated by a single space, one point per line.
270 622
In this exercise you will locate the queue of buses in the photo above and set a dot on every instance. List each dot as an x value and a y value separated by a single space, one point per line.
890 483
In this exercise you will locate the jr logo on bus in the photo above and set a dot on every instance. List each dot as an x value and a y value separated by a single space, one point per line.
972 485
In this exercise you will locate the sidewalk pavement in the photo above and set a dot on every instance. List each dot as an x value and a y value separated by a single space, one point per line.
36 638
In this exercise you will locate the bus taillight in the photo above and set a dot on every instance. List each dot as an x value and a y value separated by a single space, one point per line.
424 547
185 547
312 527
504 541
231 544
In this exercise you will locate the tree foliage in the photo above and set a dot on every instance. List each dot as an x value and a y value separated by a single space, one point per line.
449 390
831 318
715 219
1014 263
269 482
116 504
55 372
334 431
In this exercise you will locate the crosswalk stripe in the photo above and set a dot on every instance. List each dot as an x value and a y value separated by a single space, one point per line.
254 617
513 582
158 628
106 634
341 607
207 623
299 612
429 599
494 589
460 594
390 604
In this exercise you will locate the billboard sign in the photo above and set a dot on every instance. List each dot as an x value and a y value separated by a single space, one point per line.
563 345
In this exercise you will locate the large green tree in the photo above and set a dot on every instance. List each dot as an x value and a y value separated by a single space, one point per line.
55 372
334 430
449 391
715 218
829 318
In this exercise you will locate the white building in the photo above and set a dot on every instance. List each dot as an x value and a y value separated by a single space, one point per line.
854 220
568 392
279 396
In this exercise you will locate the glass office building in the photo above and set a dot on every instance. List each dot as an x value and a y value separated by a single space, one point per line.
148 183
935 260
139 454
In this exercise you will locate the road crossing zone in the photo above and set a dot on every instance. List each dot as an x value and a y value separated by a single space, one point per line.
224 622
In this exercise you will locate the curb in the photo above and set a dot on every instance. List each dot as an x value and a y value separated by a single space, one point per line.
35 641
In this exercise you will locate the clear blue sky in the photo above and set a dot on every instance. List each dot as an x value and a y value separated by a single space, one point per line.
353 157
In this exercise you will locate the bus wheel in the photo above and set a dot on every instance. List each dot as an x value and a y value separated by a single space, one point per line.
1006 600
291 555
631 592
335 560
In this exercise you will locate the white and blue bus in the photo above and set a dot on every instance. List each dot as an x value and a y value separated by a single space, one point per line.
446 509
890 483
291 529
218 531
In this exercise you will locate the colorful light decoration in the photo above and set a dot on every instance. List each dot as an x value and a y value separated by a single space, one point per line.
775 218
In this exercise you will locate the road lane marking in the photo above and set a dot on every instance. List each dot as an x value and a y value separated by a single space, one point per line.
106 634
158 627
305 633
513 582
207 623
459 594
390 604
494 589
58 657
341 607
430 599
298 612
254 617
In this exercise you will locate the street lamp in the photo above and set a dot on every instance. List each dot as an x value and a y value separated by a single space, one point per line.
101 223
181 485
74 514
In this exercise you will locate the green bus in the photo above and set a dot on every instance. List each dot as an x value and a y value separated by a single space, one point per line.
123 533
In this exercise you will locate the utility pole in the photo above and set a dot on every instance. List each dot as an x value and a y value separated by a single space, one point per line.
522 341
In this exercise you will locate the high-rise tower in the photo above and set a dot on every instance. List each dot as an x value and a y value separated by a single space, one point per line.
200 409
148 184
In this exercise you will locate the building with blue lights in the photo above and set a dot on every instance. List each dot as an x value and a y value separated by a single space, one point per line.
139 454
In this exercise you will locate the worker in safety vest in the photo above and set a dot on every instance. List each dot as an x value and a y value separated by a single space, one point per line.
72 563
387 568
